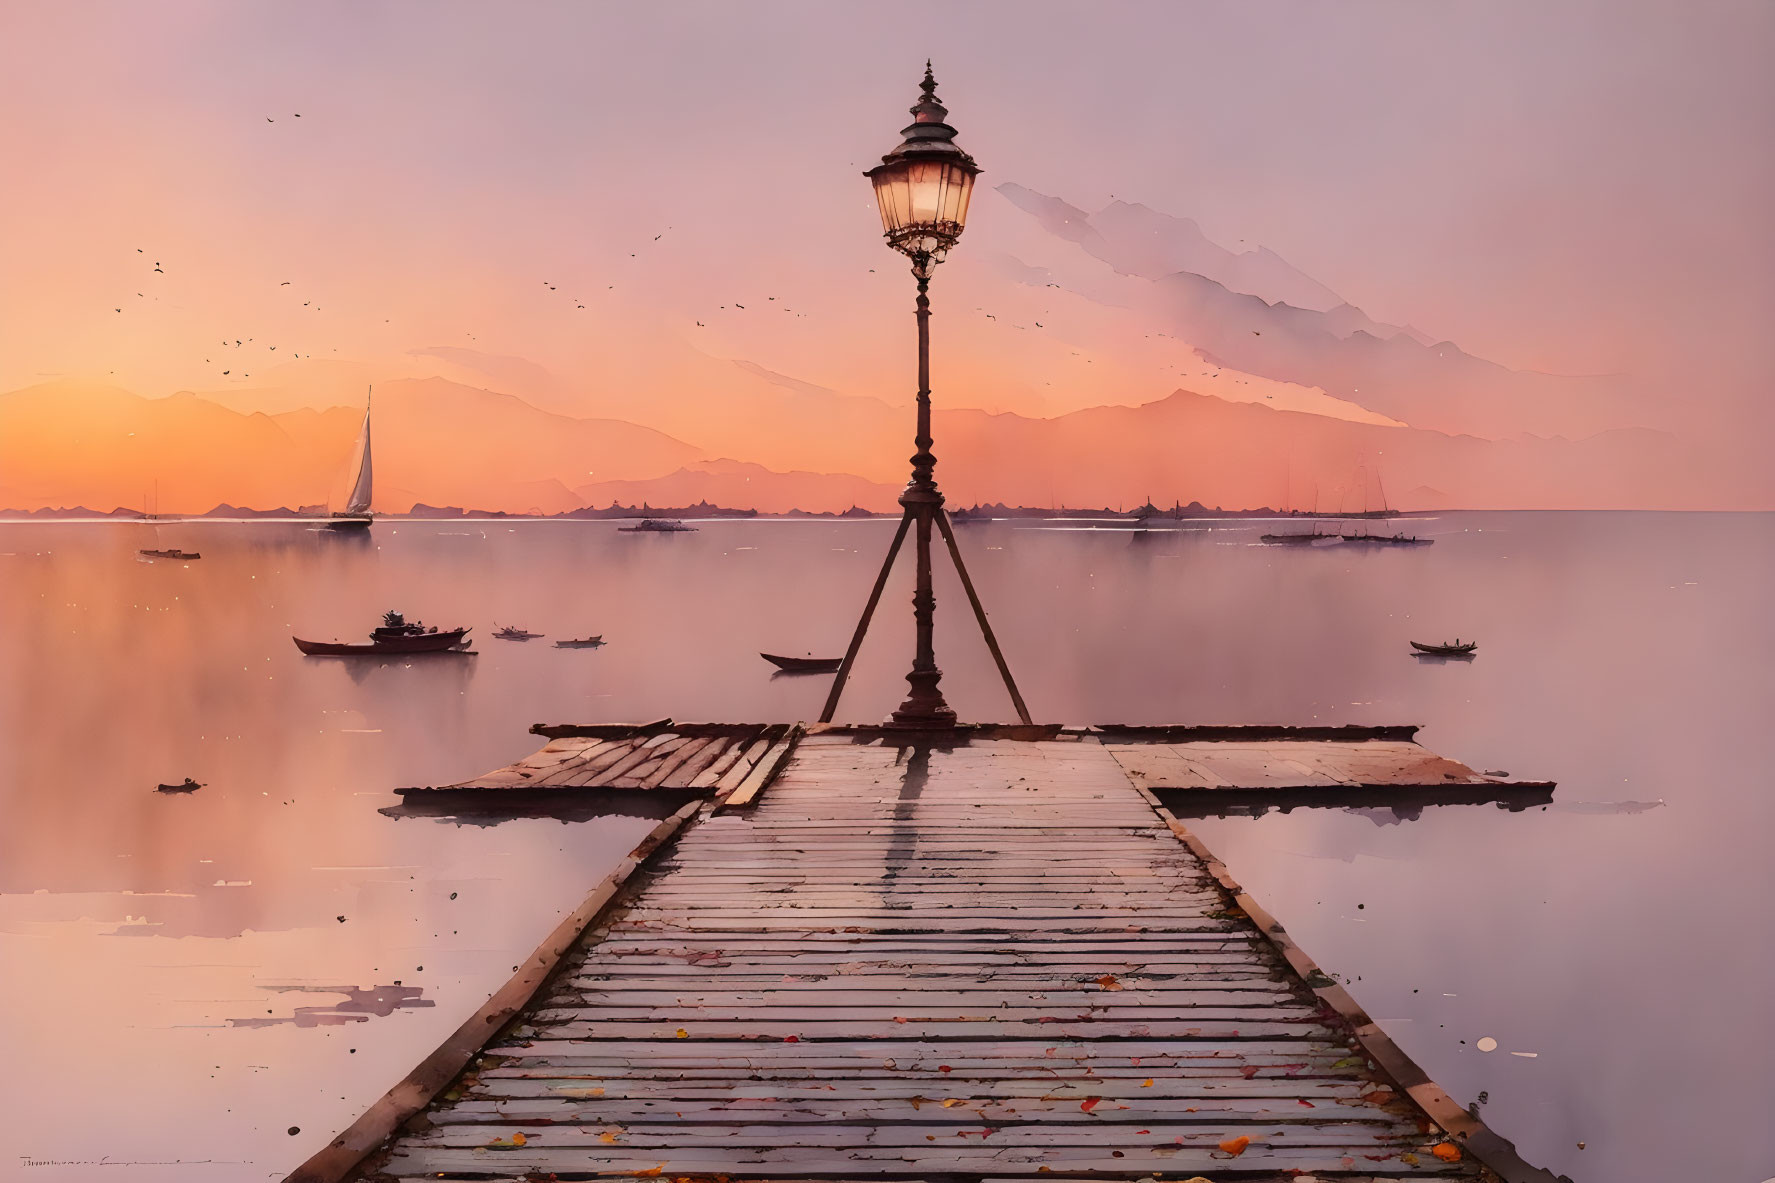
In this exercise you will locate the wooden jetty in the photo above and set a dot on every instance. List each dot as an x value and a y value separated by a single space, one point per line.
982 954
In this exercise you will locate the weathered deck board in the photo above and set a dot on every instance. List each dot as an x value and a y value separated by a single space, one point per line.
990 959
641 758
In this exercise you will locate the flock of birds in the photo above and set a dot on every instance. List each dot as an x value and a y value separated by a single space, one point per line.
579 304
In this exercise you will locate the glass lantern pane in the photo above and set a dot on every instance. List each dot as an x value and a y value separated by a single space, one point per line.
965 192
956 185
926 179
893 195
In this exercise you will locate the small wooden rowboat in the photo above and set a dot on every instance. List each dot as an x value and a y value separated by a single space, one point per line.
581 643
804 665
171 553
509 633
1457 649
188 786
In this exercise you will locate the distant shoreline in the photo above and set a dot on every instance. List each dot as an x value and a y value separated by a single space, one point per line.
77 515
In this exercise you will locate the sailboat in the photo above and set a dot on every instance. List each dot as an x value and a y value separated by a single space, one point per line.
1295 537
356 515
157 551
1364 538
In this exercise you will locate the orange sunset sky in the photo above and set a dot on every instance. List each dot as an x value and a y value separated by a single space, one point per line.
1505 255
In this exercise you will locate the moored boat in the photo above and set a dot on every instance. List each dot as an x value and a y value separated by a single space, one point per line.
397 636
188 785
581 642
170 553
508 633
1456 648
1386 540
658 526
803 665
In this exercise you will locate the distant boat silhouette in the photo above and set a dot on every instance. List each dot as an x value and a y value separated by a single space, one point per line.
1456 648
658 526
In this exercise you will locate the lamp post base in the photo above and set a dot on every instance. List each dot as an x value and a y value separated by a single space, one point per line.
924 708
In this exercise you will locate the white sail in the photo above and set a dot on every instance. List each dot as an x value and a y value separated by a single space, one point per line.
360 489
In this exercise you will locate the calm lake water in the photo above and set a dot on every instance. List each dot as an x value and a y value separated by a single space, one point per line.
210 986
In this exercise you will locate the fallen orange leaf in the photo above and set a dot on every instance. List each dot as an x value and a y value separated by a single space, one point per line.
1236 1146
683 1034
606 1136
952 1102
1147 1083
1108 982
519 1139
1446 1151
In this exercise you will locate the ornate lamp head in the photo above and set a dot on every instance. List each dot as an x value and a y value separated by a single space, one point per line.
923 186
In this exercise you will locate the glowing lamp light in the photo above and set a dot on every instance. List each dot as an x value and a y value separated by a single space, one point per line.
923 186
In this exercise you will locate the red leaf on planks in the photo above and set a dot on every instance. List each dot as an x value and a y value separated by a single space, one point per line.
1307 1103
1248 1071
1090 1104
1109 982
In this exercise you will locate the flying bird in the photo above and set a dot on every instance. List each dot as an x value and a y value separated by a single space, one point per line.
1255 333
699 324
739 305
656 238
284 284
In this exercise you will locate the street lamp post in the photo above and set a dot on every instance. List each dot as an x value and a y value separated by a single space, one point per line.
922 188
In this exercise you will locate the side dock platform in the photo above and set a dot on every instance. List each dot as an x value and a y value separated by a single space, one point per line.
992 953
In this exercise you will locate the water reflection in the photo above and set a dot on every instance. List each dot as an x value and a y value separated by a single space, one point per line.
1554 930
360 1005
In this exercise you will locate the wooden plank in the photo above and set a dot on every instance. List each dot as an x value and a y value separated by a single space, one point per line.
656 752
691 768
710 776
744 765
766 770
